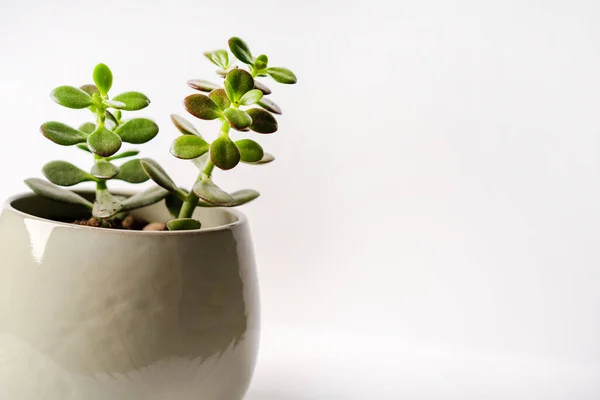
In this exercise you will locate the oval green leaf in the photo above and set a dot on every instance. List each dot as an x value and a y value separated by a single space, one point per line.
63 173
106 205
237 83
224 153
250 151
103 78
262 87
206 190
71 97
87 127
238 119
62 134
90 89
145 198
262 121
251 97
282 75
133 101
129 153
103 169
184 126
267 158
114 104
269 105
183 224
219 96
158 174
218 57
201 106
240 50
132 172
187 147
103 142
137 130
46 189
202 85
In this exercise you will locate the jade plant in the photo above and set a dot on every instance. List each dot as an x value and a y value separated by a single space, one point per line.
239 103
102 139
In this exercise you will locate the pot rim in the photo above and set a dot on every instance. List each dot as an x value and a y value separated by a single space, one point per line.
7 205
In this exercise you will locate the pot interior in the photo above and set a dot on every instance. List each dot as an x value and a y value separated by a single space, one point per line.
45 208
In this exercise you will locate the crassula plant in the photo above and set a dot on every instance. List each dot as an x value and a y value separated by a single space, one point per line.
240 103
102 139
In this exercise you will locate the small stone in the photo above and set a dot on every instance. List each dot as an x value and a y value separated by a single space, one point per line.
155 226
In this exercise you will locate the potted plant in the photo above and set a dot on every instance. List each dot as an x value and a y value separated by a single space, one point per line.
147 295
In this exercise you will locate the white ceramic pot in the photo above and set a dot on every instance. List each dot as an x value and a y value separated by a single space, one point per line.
100 314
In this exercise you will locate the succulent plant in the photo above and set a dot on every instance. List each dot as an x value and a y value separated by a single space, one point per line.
239 103
102 139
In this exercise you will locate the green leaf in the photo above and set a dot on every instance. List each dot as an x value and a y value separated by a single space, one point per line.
202 85
158 174
103 78
201 106
174 204
133 101
137 130
71 97
87 127
269 105
184 126
90 89
106 205
62 134
183 224
267 158
262 121
282 75
187 147
263 58
200 162
251 97
103 169
132 172
84 147
145 198
218 57
240 50
238 119
224 153
103 142
240 197
129 153
110 116
219 96
63 173
114 104
46 189
243 196
250 151
237 83
262 87
206 190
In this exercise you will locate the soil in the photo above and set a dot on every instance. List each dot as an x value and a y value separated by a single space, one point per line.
130 223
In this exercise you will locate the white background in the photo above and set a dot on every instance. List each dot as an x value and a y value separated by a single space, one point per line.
430 228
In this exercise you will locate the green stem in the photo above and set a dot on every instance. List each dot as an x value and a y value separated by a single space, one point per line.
191 202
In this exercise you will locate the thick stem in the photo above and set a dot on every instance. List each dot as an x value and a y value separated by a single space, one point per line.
191 202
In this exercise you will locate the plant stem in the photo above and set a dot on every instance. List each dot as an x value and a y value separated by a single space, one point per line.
191 202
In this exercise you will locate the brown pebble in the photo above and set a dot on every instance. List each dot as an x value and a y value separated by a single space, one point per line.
155 226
